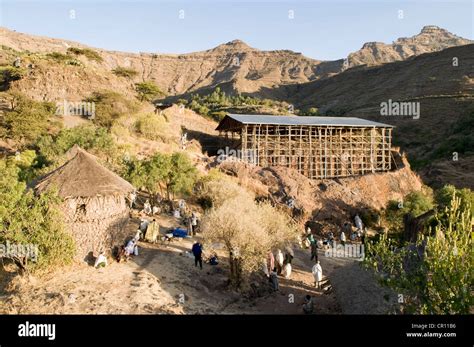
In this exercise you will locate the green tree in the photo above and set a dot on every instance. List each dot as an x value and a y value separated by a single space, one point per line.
29 119
444 196
162 173
147 90
248 230
88 137
29 220
434 275
182 175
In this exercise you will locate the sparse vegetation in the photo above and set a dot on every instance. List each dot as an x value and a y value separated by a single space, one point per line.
217 104
9 74
312 111
415 203
248 230
87 52
28 120
89 137
125 72
110 106
152 127
147 91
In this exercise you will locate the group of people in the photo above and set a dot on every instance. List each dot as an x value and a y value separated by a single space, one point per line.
127 250
316 270
278 264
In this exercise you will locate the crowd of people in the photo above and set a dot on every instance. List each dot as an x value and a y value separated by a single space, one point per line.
278 262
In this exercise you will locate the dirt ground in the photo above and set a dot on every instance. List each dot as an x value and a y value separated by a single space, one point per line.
162 279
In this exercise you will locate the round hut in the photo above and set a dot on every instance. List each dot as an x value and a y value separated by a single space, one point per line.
94 202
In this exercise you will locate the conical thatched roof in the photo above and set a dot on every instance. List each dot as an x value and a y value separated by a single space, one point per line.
83 176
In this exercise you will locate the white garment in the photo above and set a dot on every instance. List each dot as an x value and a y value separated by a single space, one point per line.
147 207
343 237
279 257
286 272
101 259
317 272
358 222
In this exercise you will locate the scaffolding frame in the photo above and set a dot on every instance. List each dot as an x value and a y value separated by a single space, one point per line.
316 151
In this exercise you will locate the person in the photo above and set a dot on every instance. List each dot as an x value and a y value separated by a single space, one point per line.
101 260
197 252
358 222
331 239
121 254
184 140
194 223
308 306
289 255
144 226
270 262
314 251
138 235
190 225
133 197
147 207
274 279
214 260
131 248
317 272
310 238
286 272
279 261
343 238
152 232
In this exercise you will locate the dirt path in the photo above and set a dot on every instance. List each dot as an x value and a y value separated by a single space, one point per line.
162 279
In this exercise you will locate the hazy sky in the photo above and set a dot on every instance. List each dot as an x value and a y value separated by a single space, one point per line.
321 29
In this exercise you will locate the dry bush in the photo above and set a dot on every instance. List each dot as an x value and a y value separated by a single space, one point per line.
152 127
247 229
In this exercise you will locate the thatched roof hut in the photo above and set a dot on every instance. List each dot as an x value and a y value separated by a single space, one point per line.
95 201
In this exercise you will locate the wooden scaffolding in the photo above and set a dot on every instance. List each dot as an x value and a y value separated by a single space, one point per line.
316 151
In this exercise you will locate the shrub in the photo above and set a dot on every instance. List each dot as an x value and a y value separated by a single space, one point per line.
152 126
87 52
29 119
248 230
147 91
89 137
435 274
9 74
27 219
124 72
110 106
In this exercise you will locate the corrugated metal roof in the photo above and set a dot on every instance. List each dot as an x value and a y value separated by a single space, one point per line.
306 120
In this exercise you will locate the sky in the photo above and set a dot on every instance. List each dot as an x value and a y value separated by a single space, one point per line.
320 29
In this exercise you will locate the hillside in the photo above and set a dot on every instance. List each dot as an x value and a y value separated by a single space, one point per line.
445 93
234 66
377 73
430 39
